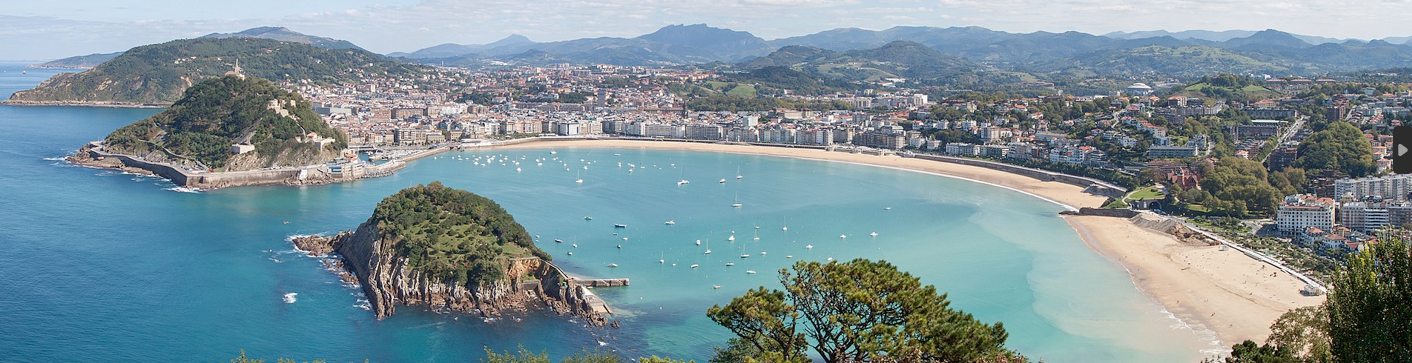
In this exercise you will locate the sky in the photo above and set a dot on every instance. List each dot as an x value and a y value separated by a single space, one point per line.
44 30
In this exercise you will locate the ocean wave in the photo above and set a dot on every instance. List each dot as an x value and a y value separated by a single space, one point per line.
57 158
290 297
295 247
290 251
364 304
185 190
1202 332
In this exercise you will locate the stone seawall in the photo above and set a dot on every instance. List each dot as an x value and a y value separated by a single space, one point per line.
241 178
1119 213
92 155
1090 185
163 170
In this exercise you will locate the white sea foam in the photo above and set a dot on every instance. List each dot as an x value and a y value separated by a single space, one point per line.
57 158
184 190
290 297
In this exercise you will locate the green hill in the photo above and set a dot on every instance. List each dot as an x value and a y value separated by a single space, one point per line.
159 73
902 59
1155 59
1227 87
78 62
218 113
451 234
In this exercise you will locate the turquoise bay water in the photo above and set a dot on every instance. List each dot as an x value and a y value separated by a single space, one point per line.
101 265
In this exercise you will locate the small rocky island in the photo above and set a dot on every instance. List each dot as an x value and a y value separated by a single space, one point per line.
231 131
449 249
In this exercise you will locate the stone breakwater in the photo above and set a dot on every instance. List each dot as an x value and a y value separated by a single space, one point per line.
388 281
93 155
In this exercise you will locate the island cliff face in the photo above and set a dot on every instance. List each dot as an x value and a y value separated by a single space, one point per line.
495 283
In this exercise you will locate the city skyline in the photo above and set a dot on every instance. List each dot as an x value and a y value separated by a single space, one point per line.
42 31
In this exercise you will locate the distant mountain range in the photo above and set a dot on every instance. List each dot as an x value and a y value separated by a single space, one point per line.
285 35
851 57
1185 53
902 59
675 44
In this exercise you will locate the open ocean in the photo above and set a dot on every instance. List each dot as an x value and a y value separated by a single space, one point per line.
103 266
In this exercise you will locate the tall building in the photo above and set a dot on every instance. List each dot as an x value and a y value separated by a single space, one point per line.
1283 157
1395 187
1368 217
1301 211
703 132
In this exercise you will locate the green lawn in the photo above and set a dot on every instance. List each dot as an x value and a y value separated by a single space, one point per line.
743 90
1198 208
1145 193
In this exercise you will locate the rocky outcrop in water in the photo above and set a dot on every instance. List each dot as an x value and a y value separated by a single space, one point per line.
388 281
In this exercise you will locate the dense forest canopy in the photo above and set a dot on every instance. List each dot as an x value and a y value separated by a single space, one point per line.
452 234
218 113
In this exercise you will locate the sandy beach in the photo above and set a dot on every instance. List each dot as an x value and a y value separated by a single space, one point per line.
1225 291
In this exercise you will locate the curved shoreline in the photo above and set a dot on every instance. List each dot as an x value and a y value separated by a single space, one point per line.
1223 292
1183 279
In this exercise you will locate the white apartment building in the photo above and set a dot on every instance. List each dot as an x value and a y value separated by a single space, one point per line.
1301 211
1360 216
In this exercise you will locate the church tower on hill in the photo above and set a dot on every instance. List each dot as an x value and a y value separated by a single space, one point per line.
236 71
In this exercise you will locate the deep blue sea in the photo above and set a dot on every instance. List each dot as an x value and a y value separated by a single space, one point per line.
96 265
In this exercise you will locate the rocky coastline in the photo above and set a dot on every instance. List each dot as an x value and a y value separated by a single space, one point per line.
111 104
388 282
91 155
